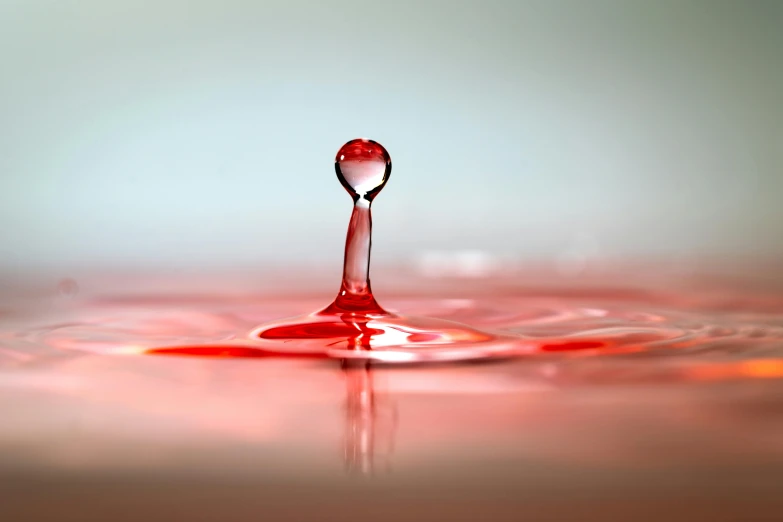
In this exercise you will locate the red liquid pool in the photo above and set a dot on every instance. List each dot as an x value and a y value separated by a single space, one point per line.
617 397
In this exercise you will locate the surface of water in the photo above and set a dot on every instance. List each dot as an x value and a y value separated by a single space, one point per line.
616 392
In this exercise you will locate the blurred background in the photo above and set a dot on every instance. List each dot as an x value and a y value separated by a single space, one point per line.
201 134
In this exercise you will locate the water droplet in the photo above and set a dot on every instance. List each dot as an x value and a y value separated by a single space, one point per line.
363 167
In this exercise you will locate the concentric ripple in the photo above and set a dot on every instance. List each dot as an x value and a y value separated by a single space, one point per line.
519 327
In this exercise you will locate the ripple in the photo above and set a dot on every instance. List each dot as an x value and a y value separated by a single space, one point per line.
528 328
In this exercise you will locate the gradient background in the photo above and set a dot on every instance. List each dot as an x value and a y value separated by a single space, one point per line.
202 134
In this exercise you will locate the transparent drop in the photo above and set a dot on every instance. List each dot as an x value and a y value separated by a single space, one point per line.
363 167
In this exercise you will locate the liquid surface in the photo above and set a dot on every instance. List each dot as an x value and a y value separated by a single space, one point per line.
560 322
625 392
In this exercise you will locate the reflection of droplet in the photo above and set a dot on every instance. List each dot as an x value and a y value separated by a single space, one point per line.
68 287
370 423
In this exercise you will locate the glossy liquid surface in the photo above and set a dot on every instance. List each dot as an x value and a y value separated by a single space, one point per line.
627 389
563 320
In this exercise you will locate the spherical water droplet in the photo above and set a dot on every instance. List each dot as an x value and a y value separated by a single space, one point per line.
363 167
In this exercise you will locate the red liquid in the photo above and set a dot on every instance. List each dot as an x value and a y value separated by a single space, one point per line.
355 325
670 386
693 329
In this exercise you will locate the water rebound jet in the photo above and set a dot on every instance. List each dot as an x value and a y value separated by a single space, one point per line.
355 326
